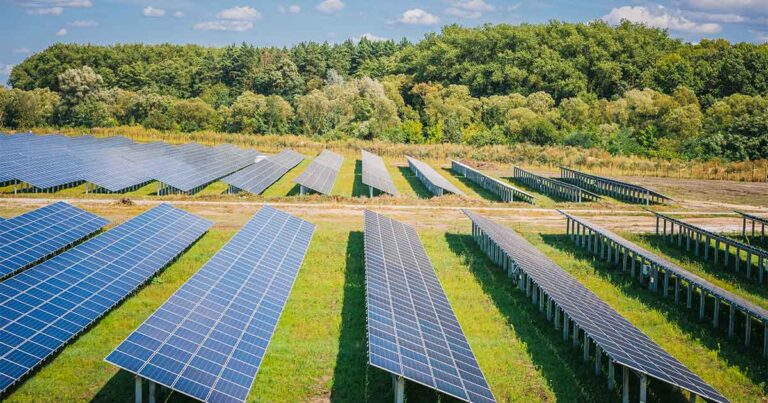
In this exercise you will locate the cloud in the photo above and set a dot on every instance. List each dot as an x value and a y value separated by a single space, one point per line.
224 25
330 6
239 13
417 16
729 5
5 69
760 36
293 9
61 32
469 8
45 11
22 50
659 17
150 11
83 24
179 14
371 37
715 17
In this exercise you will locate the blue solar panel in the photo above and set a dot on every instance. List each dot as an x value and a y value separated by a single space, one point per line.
208 340
412 330
30 237
44 307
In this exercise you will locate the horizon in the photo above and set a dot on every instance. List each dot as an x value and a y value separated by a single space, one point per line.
34 25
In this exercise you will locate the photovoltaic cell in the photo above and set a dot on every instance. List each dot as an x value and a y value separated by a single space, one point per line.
46 306
321 174
209 339
412 330
30 237
435 182
258 177
375 174
619 338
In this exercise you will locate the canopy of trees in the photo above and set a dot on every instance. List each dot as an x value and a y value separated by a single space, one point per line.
628 89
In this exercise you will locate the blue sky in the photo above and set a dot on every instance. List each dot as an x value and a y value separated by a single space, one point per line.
32 25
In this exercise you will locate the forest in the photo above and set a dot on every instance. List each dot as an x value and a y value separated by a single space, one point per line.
626 89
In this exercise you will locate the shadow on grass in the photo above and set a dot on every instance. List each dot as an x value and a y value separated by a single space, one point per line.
747 360
295 191
358 189
569 378
353 379
485 194
719 270
421 191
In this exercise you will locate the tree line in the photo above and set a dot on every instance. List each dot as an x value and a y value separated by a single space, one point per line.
627 89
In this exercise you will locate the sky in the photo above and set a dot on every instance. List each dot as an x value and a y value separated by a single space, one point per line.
32 25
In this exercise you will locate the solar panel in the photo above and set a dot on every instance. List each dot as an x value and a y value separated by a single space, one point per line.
46 306
412 330
505 191
435 182
209 339
321 174
612 187
28 238
258 177
375 174
615 335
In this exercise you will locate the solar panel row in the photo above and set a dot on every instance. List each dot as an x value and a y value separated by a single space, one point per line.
28 238
376 175
504 190
618 338
209 339
412 330
258 177
435 182
321 174
553 187
44 307
114 164
611 187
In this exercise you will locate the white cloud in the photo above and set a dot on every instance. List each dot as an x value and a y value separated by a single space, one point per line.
179 14
760 36
150 11
371 37
417 16
469 8
61 32
330 6
22 50
5 69
715 17
293 9
729 5
659 17
224 25
239 13
45 11
83 24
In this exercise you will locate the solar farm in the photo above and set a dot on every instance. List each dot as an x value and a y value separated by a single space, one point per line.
146 272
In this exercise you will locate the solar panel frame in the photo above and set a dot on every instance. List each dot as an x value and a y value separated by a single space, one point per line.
504 190
376 175
598 184
321 174
48 305
553 186
436 183
182 343
412 329
617 337
31 237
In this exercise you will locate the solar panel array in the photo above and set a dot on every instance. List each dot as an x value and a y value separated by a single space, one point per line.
612 187
28 238
412 330
619 338
44 307
504 190
553 186
258 177
114 164
376 175
689 277
321 174
435 182
209 339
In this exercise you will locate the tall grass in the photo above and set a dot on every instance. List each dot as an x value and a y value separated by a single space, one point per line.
547 157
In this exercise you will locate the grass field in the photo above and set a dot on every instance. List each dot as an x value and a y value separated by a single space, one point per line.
319 350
